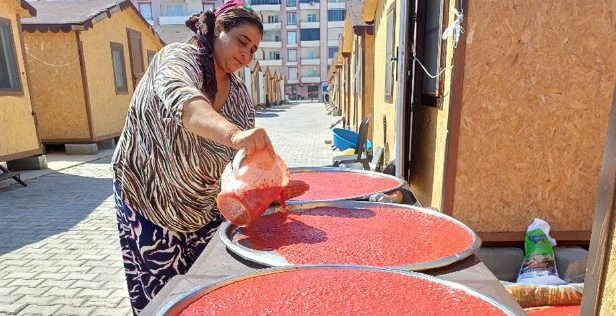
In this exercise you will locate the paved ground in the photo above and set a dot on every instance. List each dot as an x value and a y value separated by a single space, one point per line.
59 252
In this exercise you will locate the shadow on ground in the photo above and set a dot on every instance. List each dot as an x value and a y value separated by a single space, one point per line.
53 204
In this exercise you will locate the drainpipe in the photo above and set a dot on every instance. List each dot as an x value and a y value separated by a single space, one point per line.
402 66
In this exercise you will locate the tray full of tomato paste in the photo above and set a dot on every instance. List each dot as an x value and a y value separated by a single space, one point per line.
334 290
352 232
335 184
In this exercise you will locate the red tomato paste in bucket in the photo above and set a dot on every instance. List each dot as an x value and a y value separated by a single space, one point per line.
376 236
334 185
328 291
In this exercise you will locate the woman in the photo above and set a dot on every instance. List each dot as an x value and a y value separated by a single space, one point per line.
188 116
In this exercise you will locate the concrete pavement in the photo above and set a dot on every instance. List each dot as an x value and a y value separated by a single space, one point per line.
59 250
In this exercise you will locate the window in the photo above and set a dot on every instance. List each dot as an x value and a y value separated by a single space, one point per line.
292 73
313 54
331 51
336 15
389 54
274 55
256 2
312 17
310 35
293 55
175 10
292 37
272 19
291 3
309 1
151 54
312 72
291 18
146 10
432 47
119 68
9 74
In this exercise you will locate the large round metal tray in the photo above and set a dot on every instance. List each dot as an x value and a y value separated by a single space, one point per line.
178 305
365 196
231 236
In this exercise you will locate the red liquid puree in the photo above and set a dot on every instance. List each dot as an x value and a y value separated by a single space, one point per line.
333 185
339 292
554 311
376 236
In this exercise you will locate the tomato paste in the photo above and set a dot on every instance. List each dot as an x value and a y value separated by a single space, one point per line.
554 311
376 236
335 185
327 291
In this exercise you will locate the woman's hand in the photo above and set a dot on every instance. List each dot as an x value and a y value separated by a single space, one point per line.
295 188
252 140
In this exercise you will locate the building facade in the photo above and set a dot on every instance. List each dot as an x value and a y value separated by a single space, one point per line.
299 42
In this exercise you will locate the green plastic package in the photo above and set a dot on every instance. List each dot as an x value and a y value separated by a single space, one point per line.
539 265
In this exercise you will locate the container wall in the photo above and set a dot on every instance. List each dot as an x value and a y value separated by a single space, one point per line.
538 84
57 86
18 134
429 137
109 108
383 121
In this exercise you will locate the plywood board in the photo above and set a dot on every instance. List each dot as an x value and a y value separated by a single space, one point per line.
538 83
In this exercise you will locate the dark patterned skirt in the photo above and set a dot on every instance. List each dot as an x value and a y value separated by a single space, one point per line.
152 254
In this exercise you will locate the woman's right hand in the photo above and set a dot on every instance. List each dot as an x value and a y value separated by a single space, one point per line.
252 140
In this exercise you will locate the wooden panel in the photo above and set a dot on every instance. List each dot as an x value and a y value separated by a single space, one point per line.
135 51
538 79
600 280
54 63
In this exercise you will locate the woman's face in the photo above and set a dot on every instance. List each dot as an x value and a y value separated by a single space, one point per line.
235 48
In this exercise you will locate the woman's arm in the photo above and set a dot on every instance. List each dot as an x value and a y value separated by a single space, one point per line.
200 118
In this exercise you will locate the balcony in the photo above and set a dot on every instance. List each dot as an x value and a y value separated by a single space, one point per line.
266 5
272 26
335 24
311 43
309 25
172 20
290 45
150 21
337 5
291 63
309 6
333 43
330 61
311 62
292 81
291 27
270 62
311 79
270 44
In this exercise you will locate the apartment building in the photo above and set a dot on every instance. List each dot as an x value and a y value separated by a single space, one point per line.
168 16
299 41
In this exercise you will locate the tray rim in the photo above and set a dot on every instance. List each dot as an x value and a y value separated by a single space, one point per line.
401 182
179 304
265 257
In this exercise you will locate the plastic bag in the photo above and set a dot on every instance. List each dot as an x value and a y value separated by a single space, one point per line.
539 266
533 295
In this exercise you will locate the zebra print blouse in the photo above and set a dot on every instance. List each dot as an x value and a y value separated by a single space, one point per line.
166 173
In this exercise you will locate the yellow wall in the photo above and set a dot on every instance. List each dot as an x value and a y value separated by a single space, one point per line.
429 137
383 109
17 128
109 109
354 110
538 85
55 73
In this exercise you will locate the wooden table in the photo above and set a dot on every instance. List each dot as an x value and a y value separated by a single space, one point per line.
217 262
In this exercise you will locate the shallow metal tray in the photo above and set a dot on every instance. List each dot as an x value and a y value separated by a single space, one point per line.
401 182
178 305
230 235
